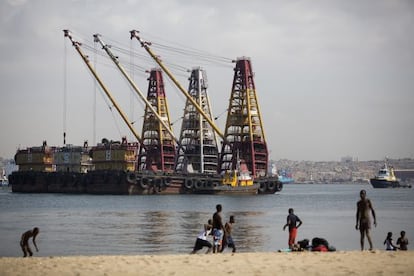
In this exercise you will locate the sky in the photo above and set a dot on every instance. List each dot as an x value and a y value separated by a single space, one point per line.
333 78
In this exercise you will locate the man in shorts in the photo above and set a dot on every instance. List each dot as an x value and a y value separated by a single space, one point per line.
218 229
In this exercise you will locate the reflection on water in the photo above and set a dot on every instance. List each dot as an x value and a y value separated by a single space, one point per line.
248 235
91 225
165 232
154 229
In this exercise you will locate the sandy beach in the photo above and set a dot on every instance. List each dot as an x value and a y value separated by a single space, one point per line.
270 263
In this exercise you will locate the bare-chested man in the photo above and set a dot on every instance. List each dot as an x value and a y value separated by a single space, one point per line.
228 238
218 229
24 242
363 219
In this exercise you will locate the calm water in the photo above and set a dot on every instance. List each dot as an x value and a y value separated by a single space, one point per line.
130 225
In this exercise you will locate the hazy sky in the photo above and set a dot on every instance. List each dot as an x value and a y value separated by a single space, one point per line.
333 78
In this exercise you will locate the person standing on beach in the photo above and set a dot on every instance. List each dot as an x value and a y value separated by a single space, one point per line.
363 220
228 239
218 229
294 222
24 241
402 241
202 239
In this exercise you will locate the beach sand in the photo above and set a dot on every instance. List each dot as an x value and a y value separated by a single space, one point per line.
378 262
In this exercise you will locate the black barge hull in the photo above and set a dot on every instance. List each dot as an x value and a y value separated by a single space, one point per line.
132 183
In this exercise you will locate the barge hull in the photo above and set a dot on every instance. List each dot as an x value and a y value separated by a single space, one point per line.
115 182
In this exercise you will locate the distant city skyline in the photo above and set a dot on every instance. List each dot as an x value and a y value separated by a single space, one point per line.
333 78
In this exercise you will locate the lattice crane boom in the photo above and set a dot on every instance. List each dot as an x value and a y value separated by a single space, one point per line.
134 86
145 45
244 133
197 136
104 87
160 152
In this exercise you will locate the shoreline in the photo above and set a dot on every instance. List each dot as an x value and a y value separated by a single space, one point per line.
266 263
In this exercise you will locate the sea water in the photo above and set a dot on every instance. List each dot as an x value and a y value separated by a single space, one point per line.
137 225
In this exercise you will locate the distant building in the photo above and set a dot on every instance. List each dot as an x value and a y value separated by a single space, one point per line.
346 159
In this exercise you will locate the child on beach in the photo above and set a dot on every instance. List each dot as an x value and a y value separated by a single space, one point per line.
24 241
388 243
202 239
402 241
228 239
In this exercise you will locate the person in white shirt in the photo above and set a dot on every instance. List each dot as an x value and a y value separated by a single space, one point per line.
388 243
202 239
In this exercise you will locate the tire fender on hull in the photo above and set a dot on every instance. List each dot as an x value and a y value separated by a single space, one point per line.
145 182
131 177
209 184
167 181
189 183
263 187
271 186
158 183
198 184
279 186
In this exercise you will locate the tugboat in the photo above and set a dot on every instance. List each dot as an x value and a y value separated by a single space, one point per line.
284 176
386 178
237 181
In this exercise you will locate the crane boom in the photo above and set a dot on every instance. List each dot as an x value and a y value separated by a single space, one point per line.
134 33
134 86
106 90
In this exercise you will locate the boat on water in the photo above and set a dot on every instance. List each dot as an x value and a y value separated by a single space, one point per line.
285 177
385 178
71 169
237 181
159 162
